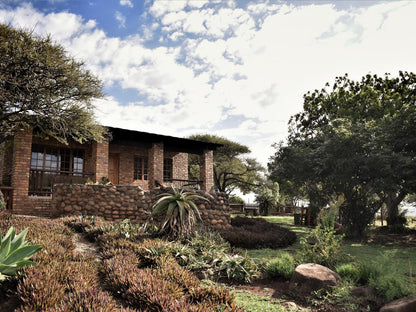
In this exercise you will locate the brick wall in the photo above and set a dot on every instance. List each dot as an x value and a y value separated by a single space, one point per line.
22 149
207 169
156 156
180 165
120 202
99 160
126 165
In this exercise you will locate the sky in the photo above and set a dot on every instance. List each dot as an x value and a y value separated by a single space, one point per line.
237 69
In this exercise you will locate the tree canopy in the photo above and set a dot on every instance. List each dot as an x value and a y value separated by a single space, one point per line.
231 170
42 87
356 139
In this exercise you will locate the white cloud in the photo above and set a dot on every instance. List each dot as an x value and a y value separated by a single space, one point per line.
121 19
255 63
126 3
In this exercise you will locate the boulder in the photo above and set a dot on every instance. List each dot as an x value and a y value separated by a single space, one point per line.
311 276
406 304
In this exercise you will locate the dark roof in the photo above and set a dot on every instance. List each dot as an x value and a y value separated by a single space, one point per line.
170 143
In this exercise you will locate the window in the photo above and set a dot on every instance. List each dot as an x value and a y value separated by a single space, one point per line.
49 165
57 160
140 168
167 169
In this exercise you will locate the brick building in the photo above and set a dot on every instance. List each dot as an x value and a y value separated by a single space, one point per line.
30 166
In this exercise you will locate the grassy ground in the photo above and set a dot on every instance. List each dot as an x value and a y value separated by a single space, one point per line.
397 258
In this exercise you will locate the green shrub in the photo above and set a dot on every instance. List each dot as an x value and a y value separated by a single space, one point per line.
181 213
15 252
281 266
367 271
322 246
391 286
350 271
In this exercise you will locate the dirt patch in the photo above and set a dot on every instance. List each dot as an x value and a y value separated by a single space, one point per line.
83 246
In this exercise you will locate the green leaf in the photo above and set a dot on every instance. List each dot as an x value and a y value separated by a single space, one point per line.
10 233
18 241
22 254
5 248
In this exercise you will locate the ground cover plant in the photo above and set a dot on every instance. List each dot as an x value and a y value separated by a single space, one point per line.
383 264
256 233
131 270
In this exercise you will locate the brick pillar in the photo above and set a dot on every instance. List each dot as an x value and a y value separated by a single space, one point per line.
22 149
180 166
155 164
100 160
207 170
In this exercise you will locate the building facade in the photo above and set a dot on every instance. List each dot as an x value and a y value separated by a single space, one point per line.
30 166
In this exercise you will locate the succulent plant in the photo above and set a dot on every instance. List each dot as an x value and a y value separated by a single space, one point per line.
15 252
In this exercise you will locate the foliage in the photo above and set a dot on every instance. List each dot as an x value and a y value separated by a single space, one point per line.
15 252
236 199
387 280
44 88
281 266
257 233
322 246
356 140
181 213
350 271
231 170
267 197
213 258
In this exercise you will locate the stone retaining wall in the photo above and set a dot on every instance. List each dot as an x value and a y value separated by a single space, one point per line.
118 202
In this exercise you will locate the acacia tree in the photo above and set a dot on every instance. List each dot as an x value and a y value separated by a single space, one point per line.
231 170
42 87
363 136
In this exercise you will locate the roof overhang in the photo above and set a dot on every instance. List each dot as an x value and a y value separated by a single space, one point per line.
170 143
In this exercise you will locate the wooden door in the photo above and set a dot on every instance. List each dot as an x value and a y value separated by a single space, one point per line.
113 164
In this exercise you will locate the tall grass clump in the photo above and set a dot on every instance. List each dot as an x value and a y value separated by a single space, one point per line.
281 267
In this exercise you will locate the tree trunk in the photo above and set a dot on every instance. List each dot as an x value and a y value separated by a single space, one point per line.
392 202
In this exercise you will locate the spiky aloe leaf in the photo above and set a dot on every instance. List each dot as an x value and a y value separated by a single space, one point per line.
22 253
10 234
19 240
5 248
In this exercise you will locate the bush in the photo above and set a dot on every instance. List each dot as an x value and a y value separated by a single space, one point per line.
350 271
391 286
367 272
257 233
281 266
322 246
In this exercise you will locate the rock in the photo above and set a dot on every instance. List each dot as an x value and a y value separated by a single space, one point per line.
406 304
311 276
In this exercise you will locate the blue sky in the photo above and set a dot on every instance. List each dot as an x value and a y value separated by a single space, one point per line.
237 69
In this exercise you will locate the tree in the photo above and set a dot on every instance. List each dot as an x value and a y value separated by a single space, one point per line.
231 170
357 138
267 197
43 88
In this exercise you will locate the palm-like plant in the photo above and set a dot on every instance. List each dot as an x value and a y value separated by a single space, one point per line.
181 213
15 252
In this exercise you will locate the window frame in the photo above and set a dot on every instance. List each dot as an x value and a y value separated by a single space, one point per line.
141 168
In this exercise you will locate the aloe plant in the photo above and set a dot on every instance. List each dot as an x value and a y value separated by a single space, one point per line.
181 213
15 252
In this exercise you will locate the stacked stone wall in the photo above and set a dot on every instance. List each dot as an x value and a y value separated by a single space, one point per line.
118 202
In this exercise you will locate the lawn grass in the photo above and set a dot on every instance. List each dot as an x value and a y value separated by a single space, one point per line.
249 302
401 259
